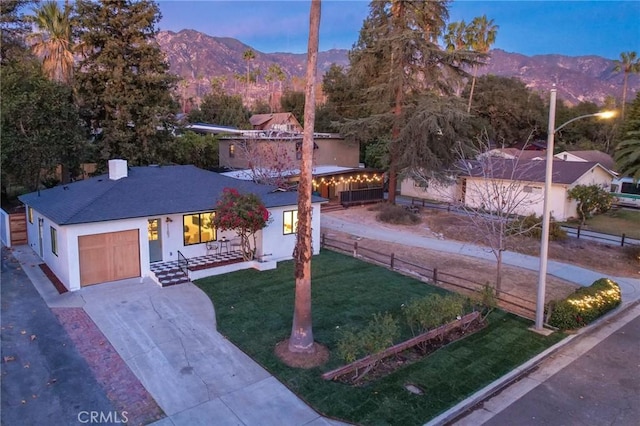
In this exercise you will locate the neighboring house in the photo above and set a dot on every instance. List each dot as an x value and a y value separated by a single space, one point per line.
279 122
477 182
275 156
240 151
346 185
115 226
592 156
337 172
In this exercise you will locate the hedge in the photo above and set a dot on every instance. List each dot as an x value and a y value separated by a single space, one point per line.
585 305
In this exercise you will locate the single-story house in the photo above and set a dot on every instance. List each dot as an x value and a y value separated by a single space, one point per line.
118 225
480 183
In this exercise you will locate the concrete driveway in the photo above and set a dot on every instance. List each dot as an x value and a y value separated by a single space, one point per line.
168 338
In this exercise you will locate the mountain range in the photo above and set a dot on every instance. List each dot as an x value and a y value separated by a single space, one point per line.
197 58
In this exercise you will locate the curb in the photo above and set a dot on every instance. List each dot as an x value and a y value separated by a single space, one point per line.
466 406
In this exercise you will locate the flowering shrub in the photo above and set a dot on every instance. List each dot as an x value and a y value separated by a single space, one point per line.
585 305
243 213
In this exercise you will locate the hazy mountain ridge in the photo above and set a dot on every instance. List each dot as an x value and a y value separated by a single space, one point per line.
194 55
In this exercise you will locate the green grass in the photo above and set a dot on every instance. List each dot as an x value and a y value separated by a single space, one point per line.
615 222
254 310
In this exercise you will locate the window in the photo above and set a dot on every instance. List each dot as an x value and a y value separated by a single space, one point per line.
54 240
290 222
30 214
152 229
299 150
232 151
198 228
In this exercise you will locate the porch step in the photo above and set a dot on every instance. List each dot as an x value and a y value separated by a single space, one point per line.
169 277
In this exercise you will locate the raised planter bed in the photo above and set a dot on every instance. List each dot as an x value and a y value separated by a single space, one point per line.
370 360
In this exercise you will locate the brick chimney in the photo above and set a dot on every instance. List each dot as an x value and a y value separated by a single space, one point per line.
117 169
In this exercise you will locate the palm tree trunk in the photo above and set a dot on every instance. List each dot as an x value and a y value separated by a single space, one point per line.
624 94
301 339
473 85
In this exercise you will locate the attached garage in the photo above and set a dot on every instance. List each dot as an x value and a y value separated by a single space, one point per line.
110 256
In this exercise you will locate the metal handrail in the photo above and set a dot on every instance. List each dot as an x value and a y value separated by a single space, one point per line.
183 263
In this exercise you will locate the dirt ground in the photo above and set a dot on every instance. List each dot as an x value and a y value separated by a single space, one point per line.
516 281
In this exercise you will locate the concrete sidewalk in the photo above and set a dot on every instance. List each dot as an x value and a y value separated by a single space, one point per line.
168 338
630 287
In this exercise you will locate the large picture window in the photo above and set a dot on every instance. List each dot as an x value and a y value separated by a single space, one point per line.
290 222
198 228
54 240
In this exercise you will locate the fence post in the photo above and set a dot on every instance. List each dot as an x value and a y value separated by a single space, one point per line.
322 240
392 260
423 202
355 249
622 241
578 235
435 275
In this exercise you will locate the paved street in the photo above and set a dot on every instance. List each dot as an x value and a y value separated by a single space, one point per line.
600 388
45 381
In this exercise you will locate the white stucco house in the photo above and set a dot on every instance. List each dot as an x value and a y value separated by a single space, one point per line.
518 182
119 225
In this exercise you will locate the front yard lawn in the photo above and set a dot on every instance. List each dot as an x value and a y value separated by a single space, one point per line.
254 310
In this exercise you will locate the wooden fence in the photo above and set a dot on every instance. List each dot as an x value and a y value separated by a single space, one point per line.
509 302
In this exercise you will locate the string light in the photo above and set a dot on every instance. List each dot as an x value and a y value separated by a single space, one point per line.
361 178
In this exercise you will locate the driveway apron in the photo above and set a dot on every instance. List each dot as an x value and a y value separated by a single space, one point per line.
45 381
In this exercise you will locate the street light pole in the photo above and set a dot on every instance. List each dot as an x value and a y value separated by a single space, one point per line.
546 209
546 214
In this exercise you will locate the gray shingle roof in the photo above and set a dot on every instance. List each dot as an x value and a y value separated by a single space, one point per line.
564 172
147 191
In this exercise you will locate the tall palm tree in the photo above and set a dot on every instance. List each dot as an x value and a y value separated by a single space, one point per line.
248 55
301 340
457 36
483 35
53 43
629 63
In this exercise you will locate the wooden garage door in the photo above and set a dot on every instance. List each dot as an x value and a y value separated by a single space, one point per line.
109 257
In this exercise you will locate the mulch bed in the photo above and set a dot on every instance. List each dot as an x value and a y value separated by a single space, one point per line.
53 278
300 360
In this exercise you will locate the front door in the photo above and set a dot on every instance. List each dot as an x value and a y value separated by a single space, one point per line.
40 234
155 240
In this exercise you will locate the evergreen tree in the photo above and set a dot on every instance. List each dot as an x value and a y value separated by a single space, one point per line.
123 85
397 60
222 109
40 125
293 102
13 27
507 111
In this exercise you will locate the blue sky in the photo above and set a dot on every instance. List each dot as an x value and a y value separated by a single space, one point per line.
574 28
